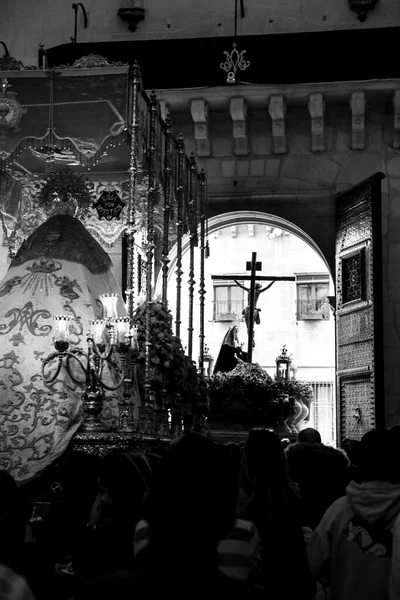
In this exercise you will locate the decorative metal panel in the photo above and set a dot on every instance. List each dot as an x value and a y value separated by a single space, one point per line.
358 309
357 411
353 277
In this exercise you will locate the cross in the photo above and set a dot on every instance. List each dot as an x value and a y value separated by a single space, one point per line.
253 267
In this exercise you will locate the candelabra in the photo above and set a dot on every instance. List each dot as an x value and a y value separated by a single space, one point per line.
112 341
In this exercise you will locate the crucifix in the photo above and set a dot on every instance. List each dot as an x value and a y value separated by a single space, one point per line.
254 291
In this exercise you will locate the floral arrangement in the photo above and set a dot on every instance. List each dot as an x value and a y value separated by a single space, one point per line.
250 394
174 375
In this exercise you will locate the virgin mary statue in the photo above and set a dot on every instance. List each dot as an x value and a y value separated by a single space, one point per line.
230 354
60 269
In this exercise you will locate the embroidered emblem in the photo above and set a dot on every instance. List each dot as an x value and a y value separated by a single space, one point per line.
374 540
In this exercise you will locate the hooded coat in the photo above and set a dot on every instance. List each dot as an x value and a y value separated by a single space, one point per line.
355 550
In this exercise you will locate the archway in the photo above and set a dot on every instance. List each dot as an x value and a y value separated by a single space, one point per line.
284 318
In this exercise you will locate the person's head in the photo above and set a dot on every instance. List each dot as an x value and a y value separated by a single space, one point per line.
263 459
379 450
352 449
8 495
235 452
194 500
12 515
309 436
124 482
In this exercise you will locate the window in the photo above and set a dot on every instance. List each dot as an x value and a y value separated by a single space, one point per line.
312 292
228 300
322 410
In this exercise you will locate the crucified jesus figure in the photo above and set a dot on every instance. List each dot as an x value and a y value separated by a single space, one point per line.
246 312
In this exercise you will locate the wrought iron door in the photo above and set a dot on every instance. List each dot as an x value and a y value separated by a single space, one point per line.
359 322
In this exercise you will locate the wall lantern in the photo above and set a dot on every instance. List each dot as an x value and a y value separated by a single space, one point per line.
283 363
208 361
132 14
362 7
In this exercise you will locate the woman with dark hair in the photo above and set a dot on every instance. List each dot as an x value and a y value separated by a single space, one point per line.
124 483
13 582
271 501
191 507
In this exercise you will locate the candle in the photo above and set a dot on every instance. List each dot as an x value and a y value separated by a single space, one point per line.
98 327
61 329
122 327
109 302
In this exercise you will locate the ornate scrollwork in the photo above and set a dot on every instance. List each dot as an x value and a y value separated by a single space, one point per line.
92 61
9 63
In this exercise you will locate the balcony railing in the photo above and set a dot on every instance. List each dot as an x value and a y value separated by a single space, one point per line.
313 310
228 310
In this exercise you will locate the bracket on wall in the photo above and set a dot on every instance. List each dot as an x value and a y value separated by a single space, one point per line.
199 112
316 107
250 229
357 104
277 110
238 110
396 106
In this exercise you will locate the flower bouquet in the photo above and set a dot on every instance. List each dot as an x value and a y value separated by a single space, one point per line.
248 395
174 377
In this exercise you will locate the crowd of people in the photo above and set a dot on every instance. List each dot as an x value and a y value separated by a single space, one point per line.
262 519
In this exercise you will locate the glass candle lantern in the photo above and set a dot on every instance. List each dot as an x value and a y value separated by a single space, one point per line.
97 331
61 328
109 302
122 328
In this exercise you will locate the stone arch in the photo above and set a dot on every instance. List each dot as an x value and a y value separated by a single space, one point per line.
226 219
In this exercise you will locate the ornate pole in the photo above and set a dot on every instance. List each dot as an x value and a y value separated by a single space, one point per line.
133 170
150 240
180 192
125 405
202 292
193 242
167 206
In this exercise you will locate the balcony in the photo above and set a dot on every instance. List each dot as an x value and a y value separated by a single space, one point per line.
228 311
313 310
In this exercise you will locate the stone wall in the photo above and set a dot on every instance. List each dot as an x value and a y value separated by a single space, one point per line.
26 23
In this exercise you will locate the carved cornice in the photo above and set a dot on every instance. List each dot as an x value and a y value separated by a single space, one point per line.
257 96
